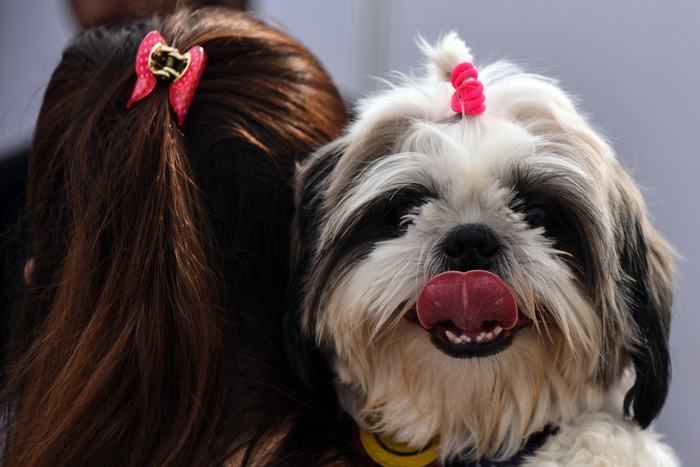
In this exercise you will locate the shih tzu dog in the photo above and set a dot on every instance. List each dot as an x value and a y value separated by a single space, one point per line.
483 277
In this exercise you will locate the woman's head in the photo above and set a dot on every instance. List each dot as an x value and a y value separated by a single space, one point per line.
260 90
147 239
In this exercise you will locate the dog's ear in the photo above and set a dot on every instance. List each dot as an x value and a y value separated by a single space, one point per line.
646 259
310 182
645 278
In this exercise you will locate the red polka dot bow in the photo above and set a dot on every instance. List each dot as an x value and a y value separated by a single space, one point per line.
156 59
469 92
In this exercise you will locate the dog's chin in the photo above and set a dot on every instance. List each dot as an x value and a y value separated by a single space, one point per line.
455 342
416 387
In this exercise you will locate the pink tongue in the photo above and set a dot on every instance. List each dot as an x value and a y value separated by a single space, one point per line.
468 299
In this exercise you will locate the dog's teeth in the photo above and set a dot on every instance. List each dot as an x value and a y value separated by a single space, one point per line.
489 335
453 337
466 339
480 337
497 330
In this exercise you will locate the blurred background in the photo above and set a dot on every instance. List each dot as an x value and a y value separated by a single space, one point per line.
635 66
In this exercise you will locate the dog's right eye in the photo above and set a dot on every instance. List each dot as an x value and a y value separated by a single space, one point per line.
387 217
400 210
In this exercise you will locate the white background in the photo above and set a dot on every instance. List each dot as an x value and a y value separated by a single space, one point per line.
634 65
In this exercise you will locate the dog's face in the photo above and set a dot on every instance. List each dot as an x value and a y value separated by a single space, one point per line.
476 278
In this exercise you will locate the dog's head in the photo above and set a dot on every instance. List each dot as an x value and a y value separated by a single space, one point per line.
474 278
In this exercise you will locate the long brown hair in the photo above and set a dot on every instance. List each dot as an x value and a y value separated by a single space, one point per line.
151 247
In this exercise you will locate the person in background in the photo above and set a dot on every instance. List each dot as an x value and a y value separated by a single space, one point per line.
91 13
157 249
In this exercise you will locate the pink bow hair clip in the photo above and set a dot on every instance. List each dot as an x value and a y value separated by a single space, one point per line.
156 59
469 91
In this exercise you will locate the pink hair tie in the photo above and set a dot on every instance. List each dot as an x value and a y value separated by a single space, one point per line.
156 59
469 92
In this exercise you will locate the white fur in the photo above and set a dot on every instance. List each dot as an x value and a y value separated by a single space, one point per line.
391 378
603 440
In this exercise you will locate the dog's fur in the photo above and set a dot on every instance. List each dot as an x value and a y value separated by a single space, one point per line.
575 246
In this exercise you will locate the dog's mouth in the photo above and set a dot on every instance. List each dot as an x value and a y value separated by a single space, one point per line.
468 314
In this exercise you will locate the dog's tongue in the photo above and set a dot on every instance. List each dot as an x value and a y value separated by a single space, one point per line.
468 299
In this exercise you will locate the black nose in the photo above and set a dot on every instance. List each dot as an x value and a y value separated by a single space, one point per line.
470 247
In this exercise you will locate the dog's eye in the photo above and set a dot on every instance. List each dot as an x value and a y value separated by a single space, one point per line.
399 211
547 217
537 216
390 216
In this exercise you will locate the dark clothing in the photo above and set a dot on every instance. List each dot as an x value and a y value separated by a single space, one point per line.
13 174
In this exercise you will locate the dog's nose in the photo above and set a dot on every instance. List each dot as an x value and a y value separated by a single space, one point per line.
470 247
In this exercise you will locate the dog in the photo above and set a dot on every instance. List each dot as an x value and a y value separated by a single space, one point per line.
482 275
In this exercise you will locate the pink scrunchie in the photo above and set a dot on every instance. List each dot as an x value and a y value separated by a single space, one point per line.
469 91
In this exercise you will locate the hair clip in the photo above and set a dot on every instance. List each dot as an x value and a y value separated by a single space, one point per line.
156 59
469 91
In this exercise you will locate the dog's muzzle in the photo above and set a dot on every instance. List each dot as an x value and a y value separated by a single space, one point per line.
468 314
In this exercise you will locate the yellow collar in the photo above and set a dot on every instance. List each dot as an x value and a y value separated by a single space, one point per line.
391 454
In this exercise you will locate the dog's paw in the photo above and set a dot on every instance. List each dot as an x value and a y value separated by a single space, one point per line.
602 440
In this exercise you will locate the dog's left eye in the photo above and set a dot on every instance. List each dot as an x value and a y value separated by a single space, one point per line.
536 215
547 217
